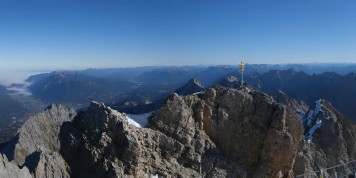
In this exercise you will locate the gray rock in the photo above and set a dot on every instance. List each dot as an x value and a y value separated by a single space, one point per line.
37 144
246 125
40 132
101 143
11 170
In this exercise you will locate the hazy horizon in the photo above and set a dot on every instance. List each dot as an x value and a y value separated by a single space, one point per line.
11 76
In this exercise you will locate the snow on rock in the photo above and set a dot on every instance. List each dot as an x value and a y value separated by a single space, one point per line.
309 135
140 120
313 120
200 92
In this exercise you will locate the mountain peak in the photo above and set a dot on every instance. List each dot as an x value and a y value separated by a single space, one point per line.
195 82
230 82
192 86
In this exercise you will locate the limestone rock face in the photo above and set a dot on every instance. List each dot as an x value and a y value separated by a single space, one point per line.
247 126
37 144
40 132
10 169
101 143
47 164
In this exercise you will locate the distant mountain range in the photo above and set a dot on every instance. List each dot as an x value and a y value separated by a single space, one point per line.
340 90
145 85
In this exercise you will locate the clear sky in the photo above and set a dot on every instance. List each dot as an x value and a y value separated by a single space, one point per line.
68 34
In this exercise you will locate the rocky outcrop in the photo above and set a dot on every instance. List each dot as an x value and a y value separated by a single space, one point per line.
37 145
10 169
192 86
330 141
40 132
101 143
246 125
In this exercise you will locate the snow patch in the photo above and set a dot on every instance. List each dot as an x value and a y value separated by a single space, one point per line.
140 120
309 135
313 120
200 92
313 113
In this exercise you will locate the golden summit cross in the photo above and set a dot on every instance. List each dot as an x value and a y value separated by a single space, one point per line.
242 69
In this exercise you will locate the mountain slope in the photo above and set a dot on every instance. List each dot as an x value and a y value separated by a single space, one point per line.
69 87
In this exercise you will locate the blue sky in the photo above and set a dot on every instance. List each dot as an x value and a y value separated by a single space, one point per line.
71 34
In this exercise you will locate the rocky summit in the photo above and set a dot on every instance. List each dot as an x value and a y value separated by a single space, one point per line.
223 132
